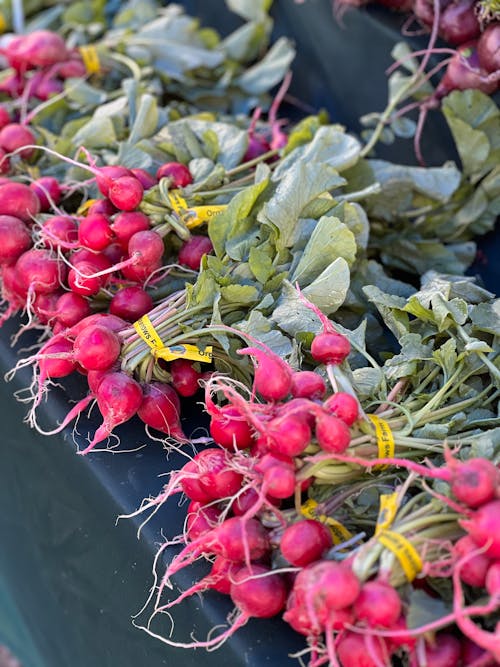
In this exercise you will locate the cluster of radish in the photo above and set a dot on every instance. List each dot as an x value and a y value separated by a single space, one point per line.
244 517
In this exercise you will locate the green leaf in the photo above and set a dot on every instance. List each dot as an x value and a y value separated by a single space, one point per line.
269 70
330 239
292 315
260 327
329 289
240 294
424 609
251 10
301 184
486 317
391 307
97 133
146 120
261 263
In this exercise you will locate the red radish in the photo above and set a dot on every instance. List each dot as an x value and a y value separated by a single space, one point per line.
483 527
47 87
493 580
127 223
354 650
288 434
59 231
160 409
330 348
444 652
274 460
488 48
307 384
477 566
131 303
406 640
215 477
126 193
235 536
44 307
145 178
4 162
279 482
60 365
230 430
102 319
378 604
96 348
457 20
244 502
14 136
48 191
464 71
72 68
344 406
190 483
332 433
145 250
107 174
5 118
200 519
305 542
114 252
272 377
257 146
18 200
94 378
42 48
177 173
102 207
15 239
471 653
185 378
38 270
80 280
118 397
95 232
13 85
97 259
298 618
193 250
301 407
258 596
326 585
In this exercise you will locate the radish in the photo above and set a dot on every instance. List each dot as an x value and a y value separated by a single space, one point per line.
190 483
107 174
127 223
378 604
177 173
193 250
45 308
307 384
354 650
273 376
200 519
58 366
96 348
118 397
39 271
493 580
102 319
59 231
145 250
81 282
97 259
457 20
41 48
477 565
95 232
131 303
101 206
288 434
326 585
464 71
213 474
483 527
245 502
330 348
160 409
5 118
444 652
145 178
15 239
488 48
305 542
4 162
344 406
279 482
332 433
48 191
15 136
258 596
230 430
18 200
185 378
47 87
126 193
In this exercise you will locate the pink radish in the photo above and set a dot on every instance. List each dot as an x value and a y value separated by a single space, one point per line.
344 406
59 231
443 652
477 566
48 191
332 433
131 303
71 308
258 596
177 173
95 232
185 378
272 377
354 650
15 239
483 527
378 604
18 200
126 193
160 409
38 270
304 542
488 48
193 250
288 434
200 519
127 223
230 430
145 178
96 348
307 384
15 136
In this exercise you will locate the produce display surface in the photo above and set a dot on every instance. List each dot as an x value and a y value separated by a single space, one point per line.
250 333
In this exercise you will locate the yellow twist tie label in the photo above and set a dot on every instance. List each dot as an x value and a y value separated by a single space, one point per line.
3 23
149 335
385 439
196 215
405 552
185 351
338 531
90 58
387 511
82 210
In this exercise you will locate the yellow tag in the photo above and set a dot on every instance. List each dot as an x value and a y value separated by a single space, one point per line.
203 214
385 439
90 58
82 210
148 333
339 532
405 552
387 511
3 23
185 351
177 201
